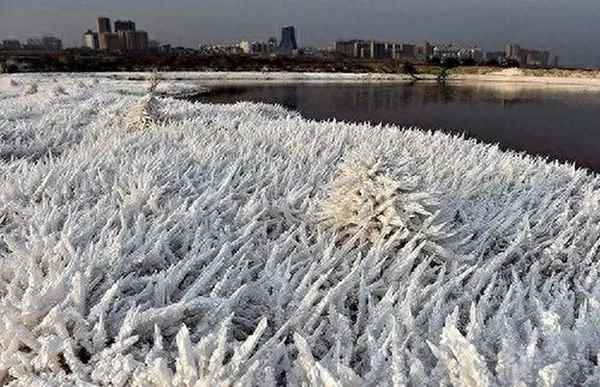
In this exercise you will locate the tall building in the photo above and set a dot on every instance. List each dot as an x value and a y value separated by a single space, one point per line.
347 47
425 51
112 41
103 25
378 50
90 40
121 25
50 43
528 57
370 49
124 38
130 39
141 40
257 48
537 58
288 43
513 51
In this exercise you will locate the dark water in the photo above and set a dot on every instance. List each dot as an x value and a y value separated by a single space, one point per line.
559 124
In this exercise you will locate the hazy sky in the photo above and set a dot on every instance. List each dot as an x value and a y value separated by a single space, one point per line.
570 28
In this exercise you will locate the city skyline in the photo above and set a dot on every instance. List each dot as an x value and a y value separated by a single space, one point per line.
185 23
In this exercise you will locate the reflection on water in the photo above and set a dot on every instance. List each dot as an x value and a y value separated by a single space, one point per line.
558 123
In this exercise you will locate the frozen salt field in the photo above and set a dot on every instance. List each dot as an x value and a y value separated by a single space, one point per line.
149 241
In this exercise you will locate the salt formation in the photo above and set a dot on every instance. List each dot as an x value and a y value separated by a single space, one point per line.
187 255
32 88
145 112
59 91
369 203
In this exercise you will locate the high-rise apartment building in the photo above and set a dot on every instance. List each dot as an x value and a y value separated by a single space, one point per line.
130 38
347 47
513 51
370 49
142 40
135 40
90 40
112 41
121 25
527 57
103 25
288 43
125 37
377 50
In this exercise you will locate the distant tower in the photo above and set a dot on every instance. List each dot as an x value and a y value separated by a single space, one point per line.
121 25
288 41
141 40
513 51
103 25
90 40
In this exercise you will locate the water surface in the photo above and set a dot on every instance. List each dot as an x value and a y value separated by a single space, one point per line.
561 124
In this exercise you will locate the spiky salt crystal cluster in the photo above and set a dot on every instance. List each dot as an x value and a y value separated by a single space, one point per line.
370 201
144 113
59 91
32 88
188 256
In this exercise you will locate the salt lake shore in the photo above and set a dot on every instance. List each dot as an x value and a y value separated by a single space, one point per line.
149 241
538 78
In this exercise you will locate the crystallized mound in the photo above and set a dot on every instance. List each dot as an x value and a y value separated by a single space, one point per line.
32 88
242 245
59 91
368 202
144 113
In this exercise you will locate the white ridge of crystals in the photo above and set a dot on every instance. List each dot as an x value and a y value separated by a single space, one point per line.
188 255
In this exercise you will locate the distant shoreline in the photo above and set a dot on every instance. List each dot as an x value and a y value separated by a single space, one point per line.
508 78
578 82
